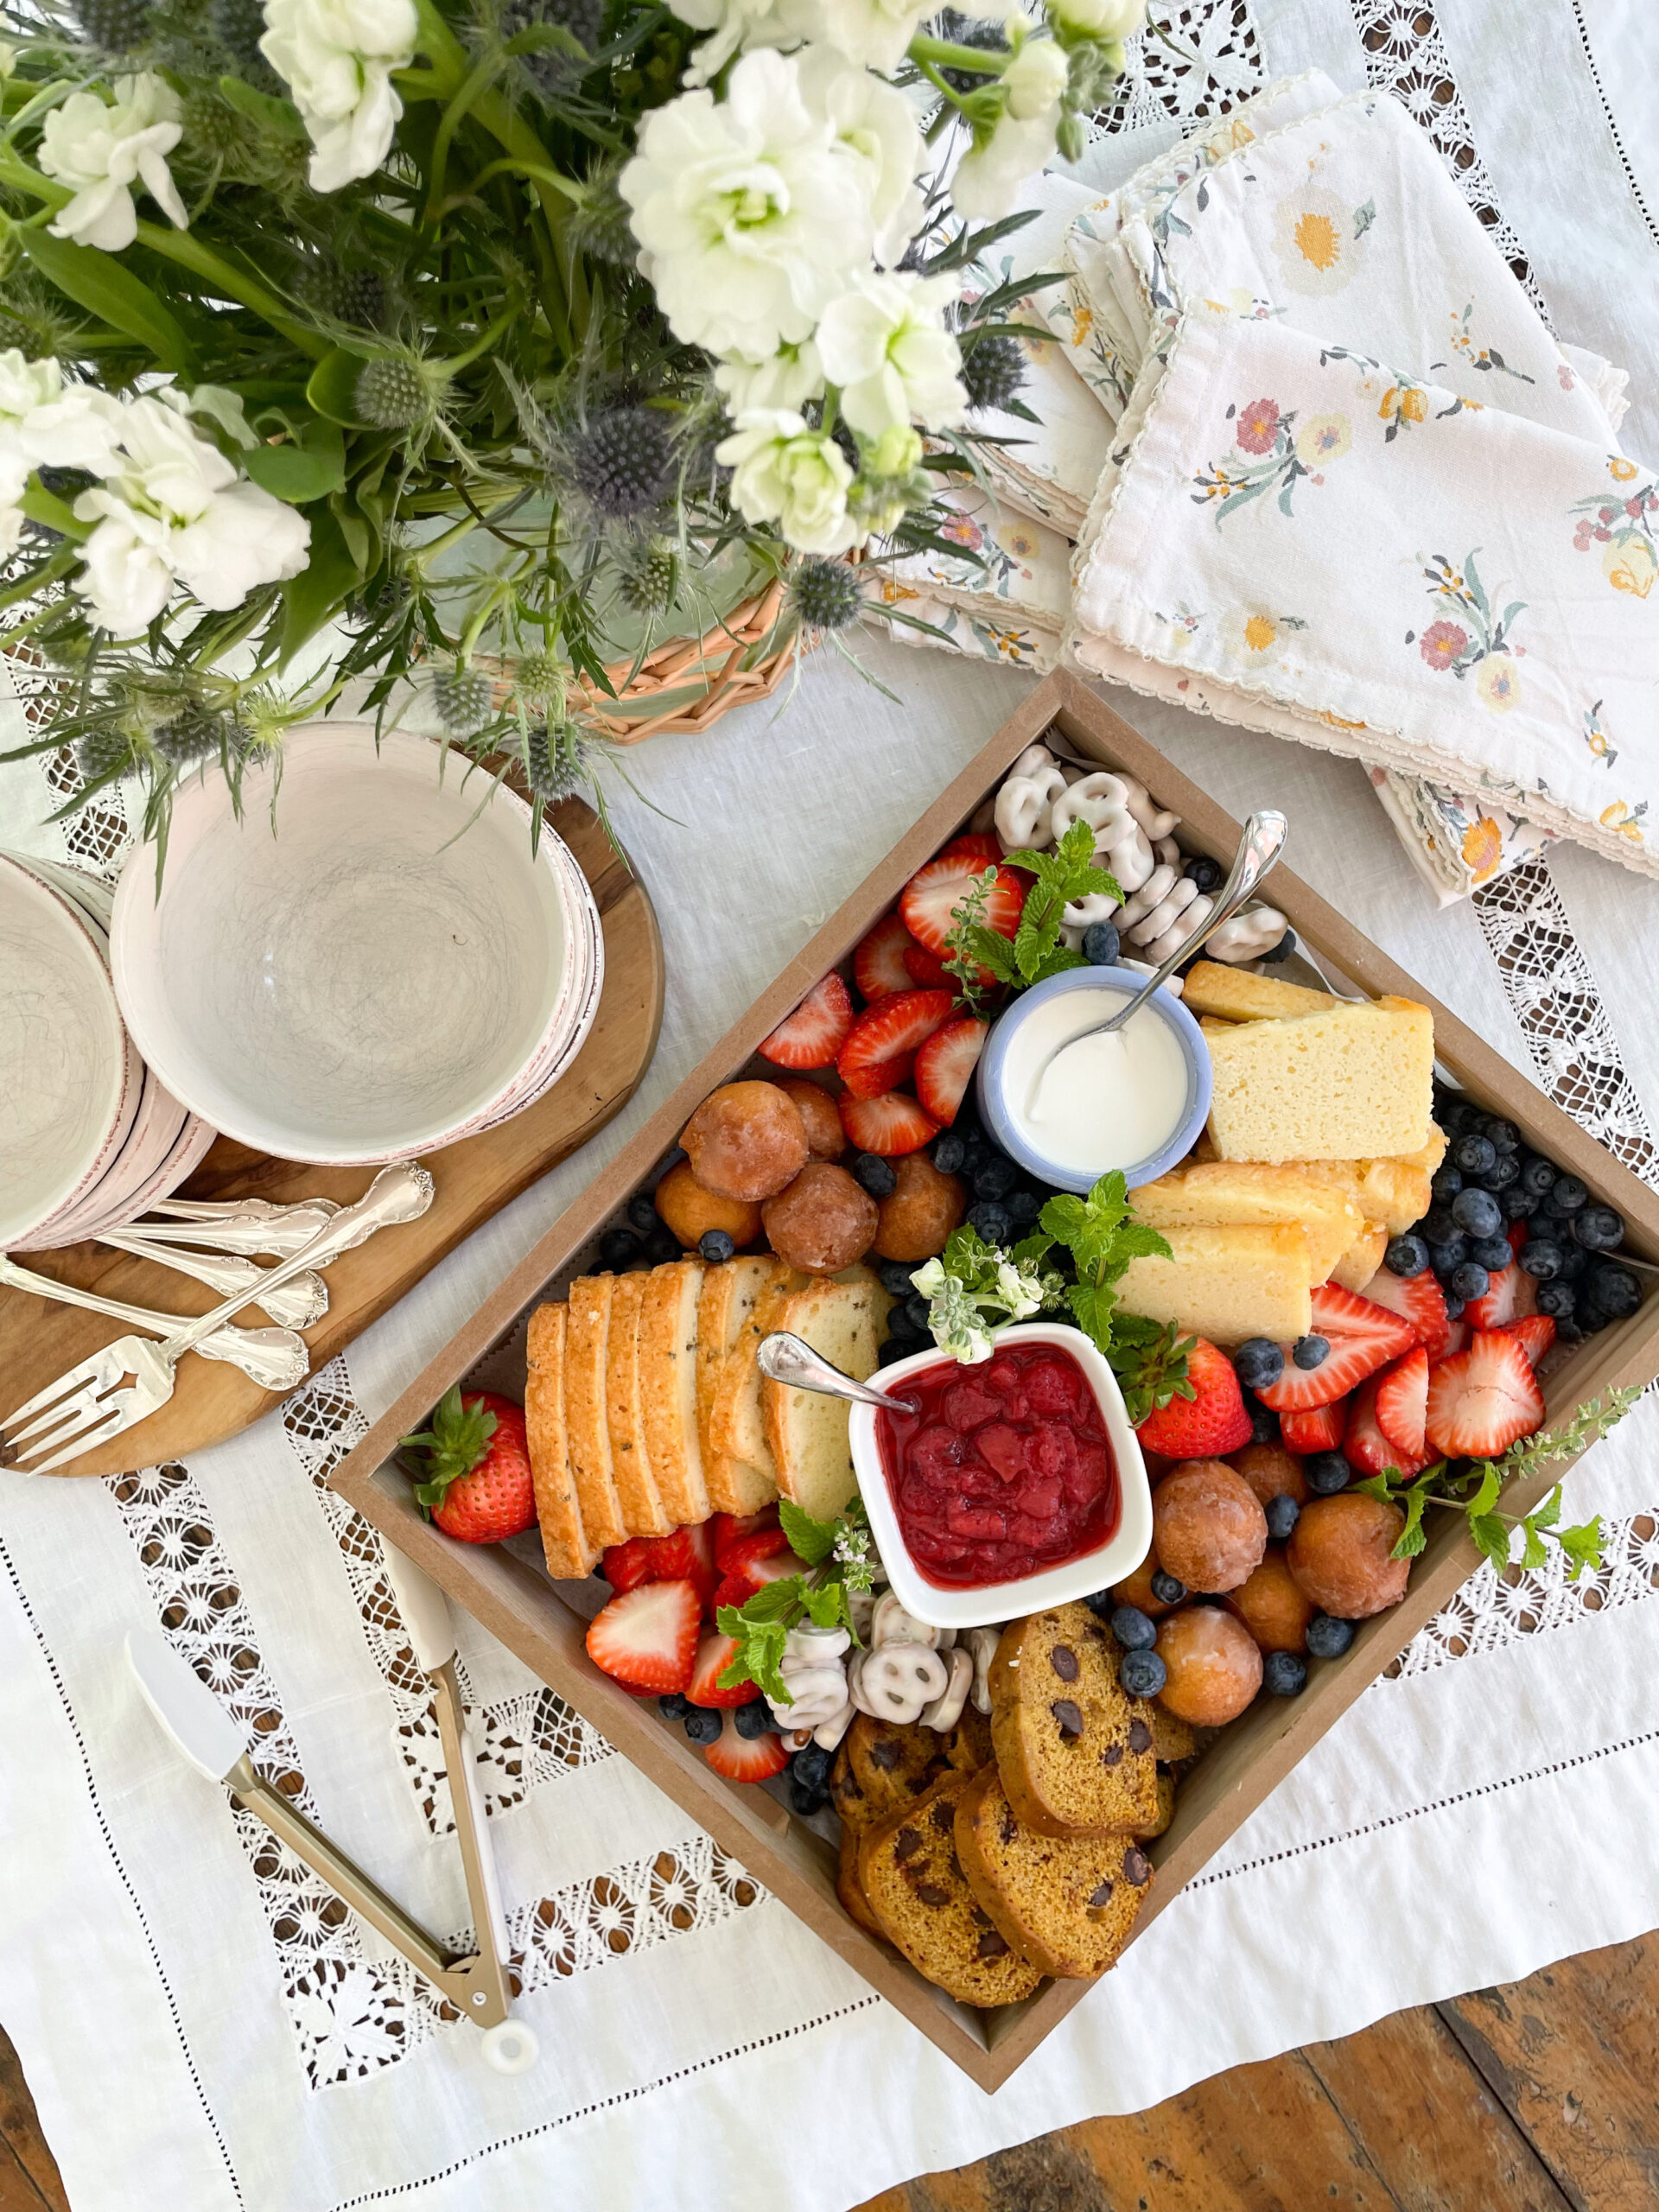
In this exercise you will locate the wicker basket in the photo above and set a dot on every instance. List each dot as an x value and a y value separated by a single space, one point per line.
685 684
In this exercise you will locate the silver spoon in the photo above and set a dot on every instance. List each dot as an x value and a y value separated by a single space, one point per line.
295 1306
1258 851
274 1359
791 1359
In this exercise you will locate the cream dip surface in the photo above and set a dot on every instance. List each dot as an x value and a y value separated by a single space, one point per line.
1110 1102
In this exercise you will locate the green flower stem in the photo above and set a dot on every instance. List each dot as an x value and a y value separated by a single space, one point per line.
944 53
940 86
45 507
498 329
510 164
460 102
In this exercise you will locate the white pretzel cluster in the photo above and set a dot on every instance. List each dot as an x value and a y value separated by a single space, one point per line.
982 1643
895 1681
946 1709
1248 935
814 1675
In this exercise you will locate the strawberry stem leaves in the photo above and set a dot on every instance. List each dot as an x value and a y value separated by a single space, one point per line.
454 1444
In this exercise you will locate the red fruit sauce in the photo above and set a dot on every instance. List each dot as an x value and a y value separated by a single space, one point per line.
1005 1471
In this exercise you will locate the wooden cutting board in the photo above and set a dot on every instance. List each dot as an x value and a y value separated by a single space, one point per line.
39 1341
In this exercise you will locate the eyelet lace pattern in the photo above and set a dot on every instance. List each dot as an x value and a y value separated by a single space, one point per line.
1191 62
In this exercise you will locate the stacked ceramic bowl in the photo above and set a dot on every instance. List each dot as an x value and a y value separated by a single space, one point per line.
89 1136
372 967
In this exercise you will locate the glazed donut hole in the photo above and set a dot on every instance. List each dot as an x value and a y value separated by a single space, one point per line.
691 1211
1214 1666
823 1222
745 1140
1272 1606
1208 1527
1271 1471
1339 1554
920 1212
825 1138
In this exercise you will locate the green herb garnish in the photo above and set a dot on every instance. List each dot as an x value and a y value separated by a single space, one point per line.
974 1288
1034 952
838 1557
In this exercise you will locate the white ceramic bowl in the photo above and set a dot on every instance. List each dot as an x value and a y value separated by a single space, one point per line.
385 970
69 1079
1109 1562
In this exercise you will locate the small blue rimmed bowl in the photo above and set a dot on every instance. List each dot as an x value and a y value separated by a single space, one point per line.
1109 984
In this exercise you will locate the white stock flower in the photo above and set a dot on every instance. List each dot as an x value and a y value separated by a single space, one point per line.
988 177
42 422
24 387
787 381
876 122
1107 20
103 151
172 508
798 477
872 33
884 344
745 23
749 210
336 57
1035 79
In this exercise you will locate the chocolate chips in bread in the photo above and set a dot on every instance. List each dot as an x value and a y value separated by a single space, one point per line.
1065 1903
1075 1754
892 1764
915 1885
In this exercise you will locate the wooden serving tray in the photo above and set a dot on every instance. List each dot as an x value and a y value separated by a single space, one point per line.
543 1622
474 1179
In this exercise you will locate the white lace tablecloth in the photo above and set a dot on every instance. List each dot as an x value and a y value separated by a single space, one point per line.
202 2029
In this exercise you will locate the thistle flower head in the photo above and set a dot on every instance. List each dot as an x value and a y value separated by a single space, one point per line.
539 680
622 462
103 753
463 697
993 369
359 296
196 736
602 227
117 25
550 68
824 595
392 394
646 579
556 762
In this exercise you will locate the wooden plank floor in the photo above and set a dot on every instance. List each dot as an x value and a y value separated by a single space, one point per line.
1540 2097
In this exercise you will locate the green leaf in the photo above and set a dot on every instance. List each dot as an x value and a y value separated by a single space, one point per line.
1534 1550
773 1601
327 581
280 116
1549 1512
332 391
1491 1534
1377 1487
1091 1307
1412 1539
1491 1487
98 282
1582 1546
809 1540
298 474
826 1606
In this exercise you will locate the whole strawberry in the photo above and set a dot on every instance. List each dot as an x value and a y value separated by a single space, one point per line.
474 1462
1206 1415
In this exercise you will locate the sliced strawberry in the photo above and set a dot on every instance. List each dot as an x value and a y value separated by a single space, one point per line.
1457 1338
816 1032
1519 1233
1533 1332
1482 1401
1364 1446
1363 1337
1416 1299
1508 1295
1401 1400
1317 1428
881 1049
926 970
878 963
978 847
890 1126
647 1638
746 1758
761 1558
713 1655
625 1566
730 1528
945 1064
934 893
684 1555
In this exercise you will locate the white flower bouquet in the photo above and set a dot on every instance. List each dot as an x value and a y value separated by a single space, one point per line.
461 343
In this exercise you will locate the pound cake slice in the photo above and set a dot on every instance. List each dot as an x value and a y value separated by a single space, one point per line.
881 1767
668 1389
1067 1904
728 1294
915 1886
1074 1752
849 1889
1248 1194
1226 1283
1235 995
1353 1083
558 1506
587 1363
806 1432
636 1490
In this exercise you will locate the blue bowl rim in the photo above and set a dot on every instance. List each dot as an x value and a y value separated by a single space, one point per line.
987 1081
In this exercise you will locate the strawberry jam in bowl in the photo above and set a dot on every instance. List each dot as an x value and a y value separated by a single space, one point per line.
1004 1485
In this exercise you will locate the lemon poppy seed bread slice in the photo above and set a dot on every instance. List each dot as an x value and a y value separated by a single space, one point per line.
558 1504
668 1389
587 1363
1074 1752
727 1301
636 1490
1067 1904
807 1431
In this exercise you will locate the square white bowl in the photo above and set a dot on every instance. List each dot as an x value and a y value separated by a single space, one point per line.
1109 1562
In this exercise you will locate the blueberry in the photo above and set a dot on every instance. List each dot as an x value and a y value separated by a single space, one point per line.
1325 1473
1264 1422
1541 1257
674 1705
895 1277
1282 951
753 1719
1568 1195
1141 1673
1468 1280
1445 1183
1501 1136
1167 1590
1446 1259
662 1244
1406 1255
1206 873
1102 1603
991 1221
1478 1213
1023 1206
805 1802
894 1347
1329 1637
1453 1308
642 1214
1133 1629
997 1178
716 1246
1283 1674
1599 1229
1557 1299
1474 1153
1614 1290
1491 1253
948 1151
619 1249
876 1175
975 1154
1283 1513
1258 1363
1503 1171
810 1767
1518 1204
1311 1350
1101 945
1574 1261
1453 1112
919 1309
900 1325
1539 1175
701 1726
1438 1226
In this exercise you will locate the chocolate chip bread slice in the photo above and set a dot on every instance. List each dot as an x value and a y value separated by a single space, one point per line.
915 1885
847 1887
1067 1904
893 1765
1165 1812
1075 1754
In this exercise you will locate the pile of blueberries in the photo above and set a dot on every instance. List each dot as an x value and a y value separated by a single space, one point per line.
647 1241
1488 1181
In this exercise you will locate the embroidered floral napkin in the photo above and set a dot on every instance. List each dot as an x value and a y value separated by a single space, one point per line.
1006 597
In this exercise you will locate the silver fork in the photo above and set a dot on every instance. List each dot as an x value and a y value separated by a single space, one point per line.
274 1359
91 1403
294 1306
245 1228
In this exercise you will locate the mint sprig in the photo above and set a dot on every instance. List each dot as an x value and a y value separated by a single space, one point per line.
1034 952
1103 1236
838 1557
